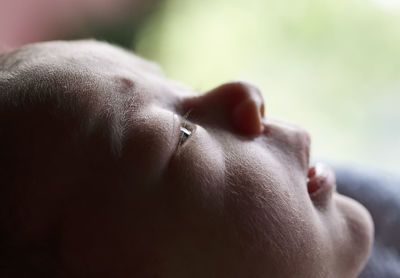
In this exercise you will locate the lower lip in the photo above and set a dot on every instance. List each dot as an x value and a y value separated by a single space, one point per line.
321 181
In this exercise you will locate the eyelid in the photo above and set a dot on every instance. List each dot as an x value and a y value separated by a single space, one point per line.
186 130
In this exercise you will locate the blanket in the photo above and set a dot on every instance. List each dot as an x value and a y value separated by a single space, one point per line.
379 192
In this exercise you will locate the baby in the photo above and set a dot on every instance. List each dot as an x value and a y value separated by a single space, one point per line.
108 169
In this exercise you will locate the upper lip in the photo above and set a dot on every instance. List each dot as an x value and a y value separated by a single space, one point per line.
304 143
293 135
307 144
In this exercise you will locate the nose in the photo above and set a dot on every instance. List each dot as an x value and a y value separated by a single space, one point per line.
238 105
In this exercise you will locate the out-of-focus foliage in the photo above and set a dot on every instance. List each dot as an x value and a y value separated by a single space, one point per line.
332 66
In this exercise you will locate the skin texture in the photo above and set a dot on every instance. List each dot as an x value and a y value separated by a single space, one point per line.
111 186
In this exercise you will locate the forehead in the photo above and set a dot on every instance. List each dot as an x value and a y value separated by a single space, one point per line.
98 64
86 53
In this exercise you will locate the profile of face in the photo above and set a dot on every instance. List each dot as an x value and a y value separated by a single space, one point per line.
167 182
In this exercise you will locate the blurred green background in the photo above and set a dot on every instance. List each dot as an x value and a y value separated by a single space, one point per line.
332 67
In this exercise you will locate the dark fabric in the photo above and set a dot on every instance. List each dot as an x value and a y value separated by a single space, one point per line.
379 192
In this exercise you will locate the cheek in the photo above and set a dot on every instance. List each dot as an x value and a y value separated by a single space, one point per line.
271 231
270 214
197 173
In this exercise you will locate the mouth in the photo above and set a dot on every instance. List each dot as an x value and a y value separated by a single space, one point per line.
320 179
321 182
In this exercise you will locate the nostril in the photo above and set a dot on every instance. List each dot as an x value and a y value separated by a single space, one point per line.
247 119
237 105
262 110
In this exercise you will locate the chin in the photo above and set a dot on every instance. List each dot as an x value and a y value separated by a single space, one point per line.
360 231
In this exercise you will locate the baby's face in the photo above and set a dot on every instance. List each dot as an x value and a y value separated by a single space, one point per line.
200 185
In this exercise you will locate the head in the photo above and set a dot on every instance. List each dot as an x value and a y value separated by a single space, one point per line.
111 170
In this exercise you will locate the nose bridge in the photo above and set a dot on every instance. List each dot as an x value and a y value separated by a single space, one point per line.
237 104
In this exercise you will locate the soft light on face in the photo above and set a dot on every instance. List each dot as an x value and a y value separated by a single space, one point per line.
205 185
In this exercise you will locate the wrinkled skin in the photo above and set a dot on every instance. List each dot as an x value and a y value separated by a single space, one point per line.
148 200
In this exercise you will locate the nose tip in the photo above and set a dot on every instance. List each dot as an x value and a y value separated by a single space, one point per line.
236 105
247 107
